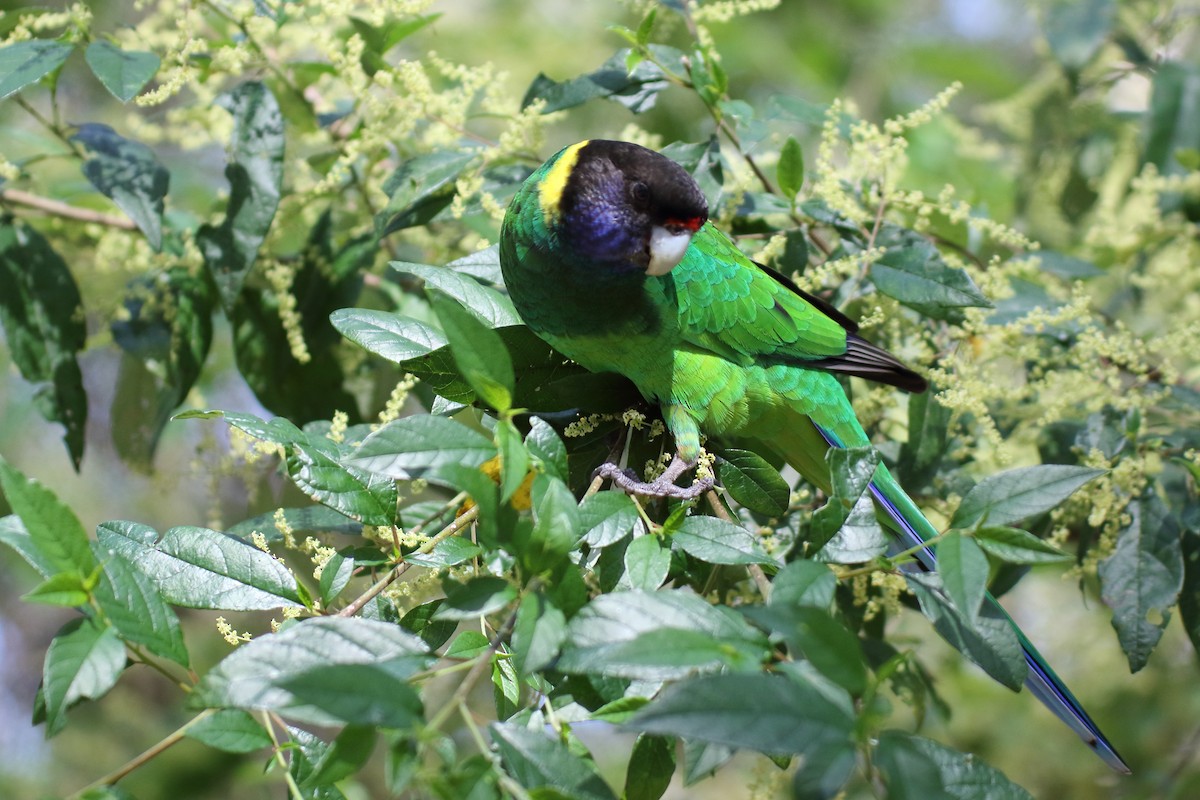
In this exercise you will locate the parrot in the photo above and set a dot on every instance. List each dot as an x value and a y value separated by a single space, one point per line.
608 255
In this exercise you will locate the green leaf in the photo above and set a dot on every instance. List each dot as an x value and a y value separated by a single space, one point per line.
346 755
358 694
230 730
420 621
928 441
647 563
123 72
256 675
538 762
166 330
539 633
478 353
514 459
716 541
357 493
335 574
1076 29
22 63
656 636
790 170
990 641
804 583
1017 546
83 661
1142 579
446 553
964 571
1019 493
651 766
394 337
466 645
420 188
132 603
255 175
202 568
754 483
128 173
844 530
65 589
916 275
916 768
487 305
555 526
410 447
476 598
636 89
54 530
43 319
546 449
813 634
823 773
768 713
606 518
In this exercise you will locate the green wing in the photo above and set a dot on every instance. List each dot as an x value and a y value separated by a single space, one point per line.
734 308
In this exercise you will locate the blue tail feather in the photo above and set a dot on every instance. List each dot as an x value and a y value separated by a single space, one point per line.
1041 681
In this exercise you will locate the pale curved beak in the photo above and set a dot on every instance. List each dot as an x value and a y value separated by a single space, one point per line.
666 249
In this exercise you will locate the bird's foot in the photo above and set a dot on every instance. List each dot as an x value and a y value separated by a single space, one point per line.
662 486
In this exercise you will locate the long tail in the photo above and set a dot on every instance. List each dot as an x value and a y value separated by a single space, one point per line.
1041 681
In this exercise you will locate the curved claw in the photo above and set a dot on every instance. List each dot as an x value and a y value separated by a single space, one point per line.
663 486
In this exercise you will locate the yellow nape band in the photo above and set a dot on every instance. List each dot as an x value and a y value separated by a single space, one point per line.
550 193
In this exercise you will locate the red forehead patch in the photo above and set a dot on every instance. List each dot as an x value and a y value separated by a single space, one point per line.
691 223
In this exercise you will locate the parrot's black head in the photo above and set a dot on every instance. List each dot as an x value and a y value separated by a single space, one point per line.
621 204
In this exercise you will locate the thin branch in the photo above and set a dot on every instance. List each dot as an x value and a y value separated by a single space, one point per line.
58 208
137 761
463 521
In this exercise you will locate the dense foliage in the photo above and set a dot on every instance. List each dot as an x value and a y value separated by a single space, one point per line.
445 534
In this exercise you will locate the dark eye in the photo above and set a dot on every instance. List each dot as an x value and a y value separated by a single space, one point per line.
639 193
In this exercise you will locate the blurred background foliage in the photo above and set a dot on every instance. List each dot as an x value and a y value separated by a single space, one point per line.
1060 106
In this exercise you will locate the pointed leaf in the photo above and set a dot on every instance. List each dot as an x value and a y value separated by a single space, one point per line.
768 713
538 635
392 336
1020 493
409 447
790 170
1017 546
916 768
716 541
43 319
538 762
964 571
485 303
753 482
919 278
255 175
123 72
202 568
647 563
83 661
651 766
132 603
606 518
22 63
230 730
478 352
1142 579
54 530
128 173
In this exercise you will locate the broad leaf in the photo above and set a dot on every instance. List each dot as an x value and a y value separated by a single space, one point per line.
1141 580
753 482
202 568
916 768
420 188
607 517
479 354
83 661
130 601
128 173
391 336
964 571
411 446
989 641
22 63
255 175
768 713
54 530
916 275
123 72
43 319
546 766
230 730
488 305
1017 546
358 694
258 674
1020 493
716 541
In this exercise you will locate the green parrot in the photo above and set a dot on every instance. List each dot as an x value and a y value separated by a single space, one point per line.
608 256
